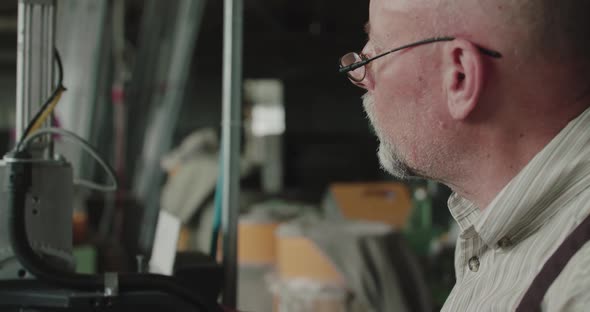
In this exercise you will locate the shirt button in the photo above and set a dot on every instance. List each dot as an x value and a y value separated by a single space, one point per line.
474 264
504 242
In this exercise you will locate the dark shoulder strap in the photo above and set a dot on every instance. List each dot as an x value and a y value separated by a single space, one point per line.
553 267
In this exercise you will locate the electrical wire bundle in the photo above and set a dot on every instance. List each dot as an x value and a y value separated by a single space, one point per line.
33 131
49 105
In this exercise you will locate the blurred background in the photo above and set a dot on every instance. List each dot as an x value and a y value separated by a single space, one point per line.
321 227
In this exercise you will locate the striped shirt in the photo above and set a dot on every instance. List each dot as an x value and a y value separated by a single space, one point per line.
500 250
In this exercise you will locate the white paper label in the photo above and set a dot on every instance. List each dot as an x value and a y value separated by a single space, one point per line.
164 250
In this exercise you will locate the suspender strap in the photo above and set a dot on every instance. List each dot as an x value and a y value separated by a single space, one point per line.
534 296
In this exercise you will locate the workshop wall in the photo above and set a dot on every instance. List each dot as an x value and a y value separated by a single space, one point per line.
328 137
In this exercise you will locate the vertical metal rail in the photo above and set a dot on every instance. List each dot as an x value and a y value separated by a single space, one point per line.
35 55
231 126
48 64
22 72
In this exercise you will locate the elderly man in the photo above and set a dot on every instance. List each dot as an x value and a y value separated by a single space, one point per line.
490 98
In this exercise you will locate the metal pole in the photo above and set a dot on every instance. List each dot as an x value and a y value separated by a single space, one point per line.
43 30
35 45
231 126
50 67
49 53
21 67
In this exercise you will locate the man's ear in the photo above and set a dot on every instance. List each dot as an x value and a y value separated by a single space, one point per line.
463 77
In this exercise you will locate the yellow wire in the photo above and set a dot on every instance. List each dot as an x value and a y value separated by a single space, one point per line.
47 112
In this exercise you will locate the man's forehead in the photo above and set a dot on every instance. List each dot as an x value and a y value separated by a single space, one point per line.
381 8
403 5
388 10
385 11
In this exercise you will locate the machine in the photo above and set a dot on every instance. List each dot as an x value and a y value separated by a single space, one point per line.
36 263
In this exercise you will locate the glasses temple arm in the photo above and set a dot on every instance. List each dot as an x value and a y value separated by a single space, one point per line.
489 52
356 65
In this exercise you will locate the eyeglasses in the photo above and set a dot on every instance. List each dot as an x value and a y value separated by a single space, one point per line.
353 64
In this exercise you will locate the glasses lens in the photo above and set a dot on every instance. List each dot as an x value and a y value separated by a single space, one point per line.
349 59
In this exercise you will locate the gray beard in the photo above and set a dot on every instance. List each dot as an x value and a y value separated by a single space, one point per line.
389 158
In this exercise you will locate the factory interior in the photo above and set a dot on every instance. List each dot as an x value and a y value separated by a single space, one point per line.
185 154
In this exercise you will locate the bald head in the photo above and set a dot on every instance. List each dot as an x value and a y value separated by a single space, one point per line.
546 28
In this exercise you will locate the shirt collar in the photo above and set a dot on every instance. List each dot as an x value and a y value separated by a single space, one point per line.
463 211
554 176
